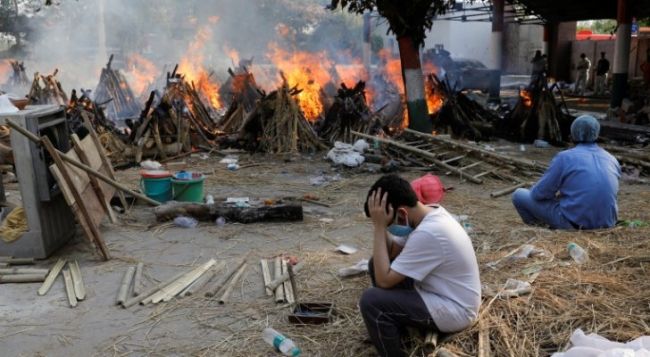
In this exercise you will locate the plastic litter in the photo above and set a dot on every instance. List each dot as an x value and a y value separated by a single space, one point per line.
151 165
220 221
359 268
345 154
594 345
186 222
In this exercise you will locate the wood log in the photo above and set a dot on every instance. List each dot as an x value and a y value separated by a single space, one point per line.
51 277
203 212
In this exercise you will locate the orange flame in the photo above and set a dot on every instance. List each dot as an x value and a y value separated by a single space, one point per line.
191 67
526 98
308 71
232 54
142 73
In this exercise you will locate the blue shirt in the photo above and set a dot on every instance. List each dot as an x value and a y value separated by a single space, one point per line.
586 178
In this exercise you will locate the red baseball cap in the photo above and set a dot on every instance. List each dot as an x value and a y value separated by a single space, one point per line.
429 189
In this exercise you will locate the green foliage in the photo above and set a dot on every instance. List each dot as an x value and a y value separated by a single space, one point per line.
411 18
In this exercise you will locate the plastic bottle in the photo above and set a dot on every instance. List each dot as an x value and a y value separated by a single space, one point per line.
186 222
577 253
220 221
280 342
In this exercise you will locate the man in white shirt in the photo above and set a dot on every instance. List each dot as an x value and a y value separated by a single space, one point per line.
433 279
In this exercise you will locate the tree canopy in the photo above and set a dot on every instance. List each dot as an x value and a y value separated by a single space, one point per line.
405 18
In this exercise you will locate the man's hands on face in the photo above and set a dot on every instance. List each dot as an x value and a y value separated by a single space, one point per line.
381 213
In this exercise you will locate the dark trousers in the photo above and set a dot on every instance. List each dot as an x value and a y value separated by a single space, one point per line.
387 313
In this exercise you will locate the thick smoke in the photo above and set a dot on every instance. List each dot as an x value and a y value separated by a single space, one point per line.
78 36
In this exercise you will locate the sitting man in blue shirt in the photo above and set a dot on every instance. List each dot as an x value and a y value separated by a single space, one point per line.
579 189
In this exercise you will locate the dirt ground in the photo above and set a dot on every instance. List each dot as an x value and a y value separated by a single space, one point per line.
198 326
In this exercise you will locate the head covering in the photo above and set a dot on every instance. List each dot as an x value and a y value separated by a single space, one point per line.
429 189
585 129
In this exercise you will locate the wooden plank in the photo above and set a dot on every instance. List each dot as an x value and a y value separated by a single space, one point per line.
102 154
51 277
85 216
454 159
279 289
86 156
470 166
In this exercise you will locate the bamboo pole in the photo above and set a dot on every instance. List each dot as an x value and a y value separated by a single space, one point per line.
231 284
137 280
51 277
288 289
69 288
292 280
199 283
507 190
17 261
124 287
483 152
216 287
77 281
11 271
266 274
428 155
136 299
22 278
279 288
87 169
279 279
168 292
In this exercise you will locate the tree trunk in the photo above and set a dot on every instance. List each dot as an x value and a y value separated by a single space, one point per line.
414 85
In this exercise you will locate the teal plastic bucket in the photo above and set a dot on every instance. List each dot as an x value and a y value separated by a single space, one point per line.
188 190
159 189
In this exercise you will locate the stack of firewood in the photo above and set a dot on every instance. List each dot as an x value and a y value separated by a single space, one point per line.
47 90
242 92
460 116
115 93
349 111
277 125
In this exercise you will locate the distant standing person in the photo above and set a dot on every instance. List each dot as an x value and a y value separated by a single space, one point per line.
539 67
645 68
602 68
583 75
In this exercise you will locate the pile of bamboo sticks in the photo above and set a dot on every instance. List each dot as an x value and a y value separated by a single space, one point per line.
282 287
50 92
183 284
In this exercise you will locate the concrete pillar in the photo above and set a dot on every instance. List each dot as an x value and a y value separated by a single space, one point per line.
621 53
497 49
497 34
547 36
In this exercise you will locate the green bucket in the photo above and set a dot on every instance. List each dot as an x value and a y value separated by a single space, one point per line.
157 186
188 190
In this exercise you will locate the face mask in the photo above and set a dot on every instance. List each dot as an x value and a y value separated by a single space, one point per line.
400 230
